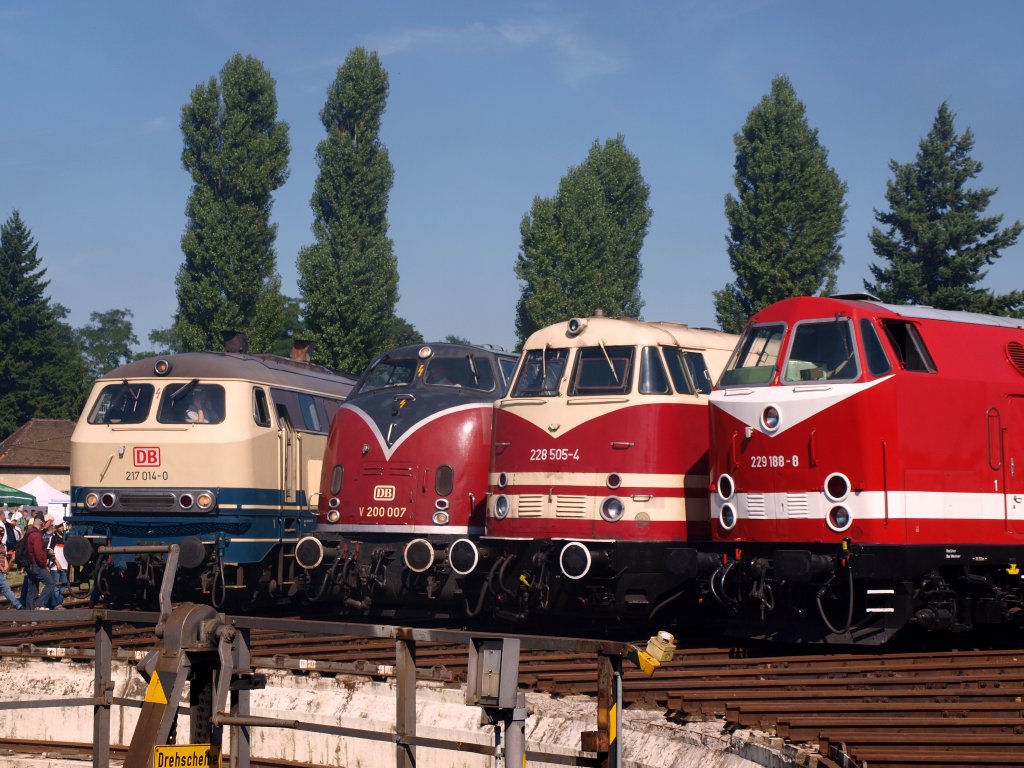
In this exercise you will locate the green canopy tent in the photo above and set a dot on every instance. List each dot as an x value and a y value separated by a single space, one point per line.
15 497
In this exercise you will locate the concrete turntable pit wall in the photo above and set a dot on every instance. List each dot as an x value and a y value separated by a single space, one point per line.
553 725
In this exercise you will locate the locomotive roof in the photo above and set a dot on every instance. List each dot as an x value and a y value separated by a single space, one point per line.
916 311
628 330
267 369
444 349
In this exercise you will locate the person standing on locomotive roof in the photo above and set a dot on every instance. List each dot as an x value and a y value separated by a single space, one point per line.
38 570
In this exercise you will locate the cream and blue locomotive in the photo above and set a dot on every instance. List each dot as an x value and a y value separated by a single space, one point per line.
217 452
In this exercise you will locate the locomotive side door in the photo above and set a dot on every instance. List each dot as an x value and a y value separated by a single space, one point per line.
1012 428
288 447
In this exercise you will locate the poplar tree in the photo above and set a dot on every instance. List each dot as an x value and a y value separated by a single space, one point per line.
349 277
236 151
936 241
41 370
787 217
580 250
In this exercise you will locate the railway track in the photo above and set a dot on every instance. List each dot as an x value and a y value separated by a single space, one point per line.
878 708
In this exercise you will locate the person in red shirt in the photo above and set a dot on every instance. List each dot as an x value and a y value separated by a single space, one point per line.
38 571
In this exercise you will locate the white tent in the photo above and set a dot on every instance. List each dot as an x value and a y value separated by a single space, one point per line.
55 501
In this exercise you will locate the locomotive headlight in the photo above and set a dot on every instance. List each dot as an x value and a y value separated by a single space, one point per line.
501 507
162 367
614 480
333 516
727 517
108 500
92 500
837 487
334 502
185 500
440 517
770 418
725 487
612 509
502 480
206 500
838 519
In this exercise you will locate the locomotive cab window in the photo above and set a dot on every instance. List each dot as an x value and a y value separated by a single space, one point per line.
191 403
260 407
603 371
822 349
653 378
467 371
508 367
753 360
540 373
389 372
877 361
122 404
909 346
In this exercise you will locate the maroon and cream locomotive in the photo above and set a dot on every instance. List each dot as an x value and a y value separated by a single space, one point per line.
404 481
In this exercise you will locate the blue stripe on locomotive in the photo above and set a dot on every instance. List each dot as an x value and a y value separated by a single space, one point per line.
245 535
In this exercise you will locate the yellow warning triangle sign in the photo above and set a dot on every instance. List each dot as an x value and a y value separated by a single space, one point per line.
155 692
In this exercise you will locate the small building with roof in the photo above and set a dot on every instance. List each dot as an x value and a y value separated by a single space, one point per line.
38 448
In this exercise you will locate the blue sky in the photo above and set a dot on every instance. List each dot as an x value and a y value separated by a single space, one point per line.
490 104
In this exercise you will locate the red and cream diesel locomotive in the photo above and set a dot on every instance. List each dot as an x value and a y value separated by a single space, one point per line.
867 465
404 481
599 475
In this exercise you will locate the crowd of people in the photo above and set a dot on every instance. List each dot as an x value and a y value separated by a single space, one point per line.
43 565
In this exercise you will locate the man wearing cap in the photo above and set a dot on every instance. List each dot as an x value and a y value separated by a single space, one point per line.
38 571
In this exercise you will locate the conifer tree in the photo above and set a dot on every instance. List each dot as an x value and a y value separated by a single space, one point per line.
236 151
580 250
349 277
41 370
936 241
788 214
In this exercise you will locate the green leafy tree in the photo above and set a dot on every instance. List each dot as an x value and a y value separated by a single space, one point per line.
42 374
451 338
936 241
349 277
292 330
403 332
787 218
163 341
107 340
236 151
580 249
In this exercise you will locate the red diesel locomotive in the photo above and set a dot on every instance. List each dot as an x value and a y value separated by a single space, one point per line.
404 478
868 471
599 476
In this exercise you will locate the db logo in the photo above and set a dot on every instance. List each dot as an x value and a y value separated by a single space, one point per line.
146 457
384 493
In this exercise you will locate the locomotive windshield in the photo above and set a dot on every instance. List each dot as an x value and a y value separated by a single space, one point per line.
822 349
390 372
191 403
467 371
541 372
122 404
753 361
602 371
